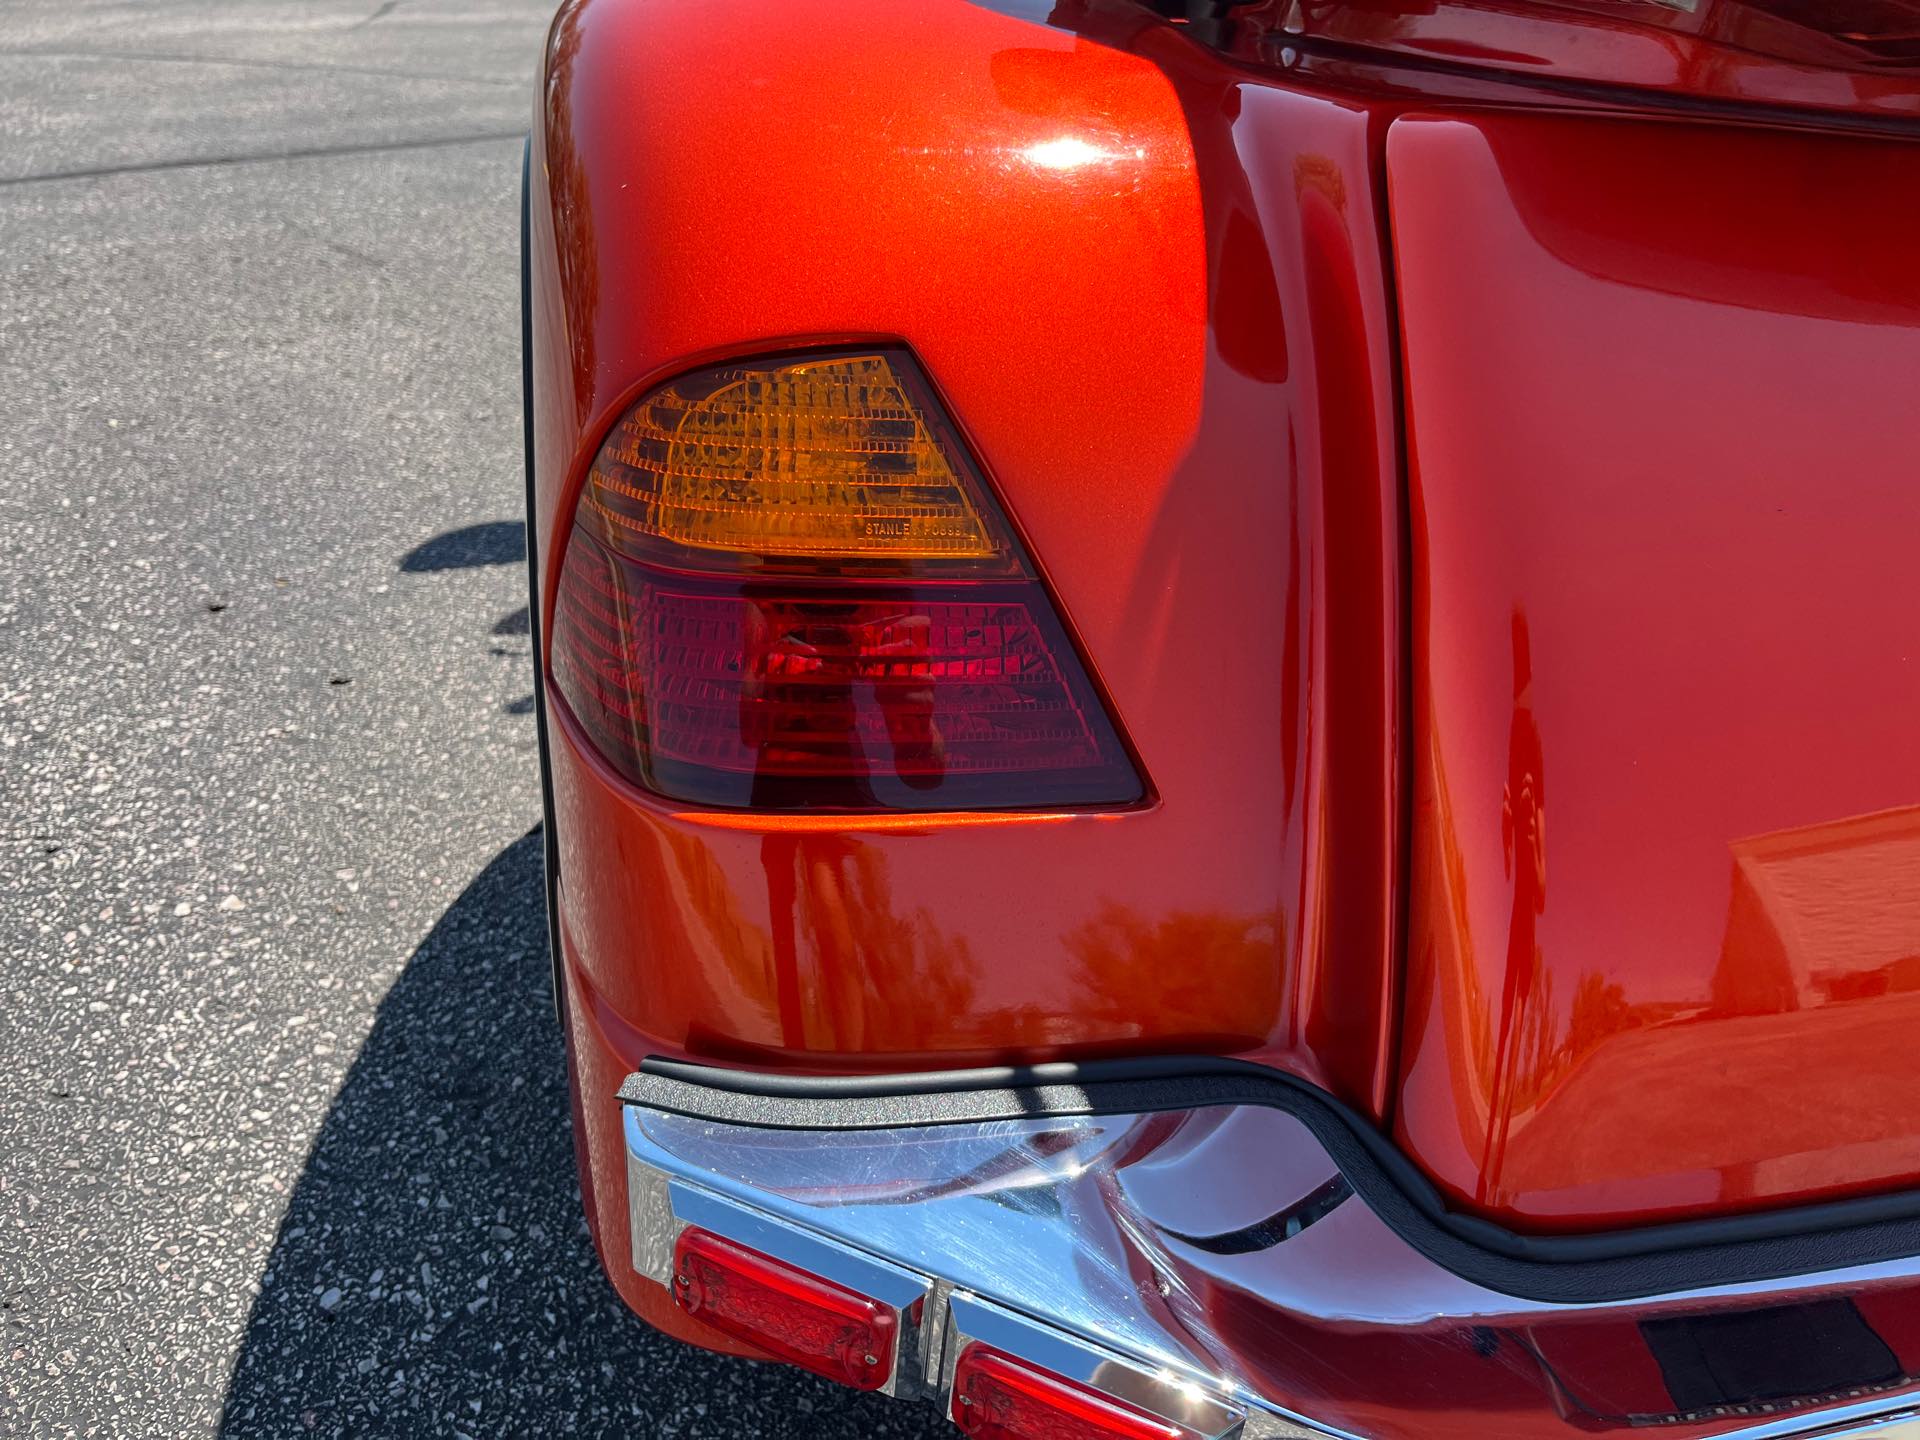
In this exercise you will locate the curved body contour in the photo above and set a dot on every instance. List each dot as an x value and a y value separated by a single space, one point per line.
1479 483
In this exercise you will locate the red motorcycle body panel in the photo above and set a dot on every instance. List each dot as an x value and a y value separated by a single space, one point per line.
1661 401
1653 536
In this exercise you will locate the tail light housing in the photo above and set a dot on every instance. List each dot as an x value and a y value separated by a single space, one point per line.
788 587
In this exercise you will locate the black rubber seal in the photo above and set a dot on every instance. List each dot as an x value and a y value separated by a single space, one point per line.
1277 1228
549 843
1585 1268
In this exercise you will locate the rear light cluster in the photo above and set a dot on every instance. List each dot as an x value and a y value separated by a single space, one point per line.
787 587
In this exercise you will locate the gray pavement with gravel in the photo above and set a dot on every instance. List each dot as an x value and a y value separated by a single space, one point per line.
283 1127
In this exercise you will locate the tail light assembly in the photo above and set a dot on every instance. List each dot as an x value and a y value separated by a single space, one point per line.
789 587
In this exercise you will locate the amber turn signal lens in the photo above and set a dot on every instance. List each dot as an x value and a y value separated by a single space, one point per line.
839 457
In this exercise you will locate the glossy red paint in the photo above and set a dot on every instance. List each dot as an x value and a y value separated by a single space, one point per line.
1660 390
1153 298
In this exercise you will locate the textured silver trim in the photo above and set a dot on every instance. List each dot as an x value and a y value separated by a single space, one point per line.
650 1223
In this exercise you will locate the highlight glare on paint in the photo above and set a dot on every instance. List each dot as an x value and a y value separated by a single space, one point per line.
1064 154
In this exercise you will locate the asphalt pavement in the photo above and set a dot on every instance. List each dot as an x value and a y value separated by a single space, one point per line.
283 1124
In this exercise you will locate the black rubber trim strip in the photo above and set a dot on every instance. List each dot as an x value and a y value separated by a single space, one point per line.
1574 1269
549 844
1277 1228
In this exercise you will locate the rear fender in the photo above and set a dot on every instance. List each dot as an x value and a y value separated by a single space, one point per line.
1151 294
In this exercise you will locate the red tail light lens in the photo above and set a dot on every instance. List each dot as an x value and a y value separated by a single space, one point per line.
788 588
996 1397
794 1316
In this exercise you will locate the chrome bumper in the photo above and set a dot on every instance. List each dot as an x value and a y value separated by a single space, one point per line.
1211 1267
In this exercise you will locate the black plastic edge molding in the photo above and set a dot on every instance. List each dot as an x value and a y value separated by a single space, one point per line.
1568 1269
549 843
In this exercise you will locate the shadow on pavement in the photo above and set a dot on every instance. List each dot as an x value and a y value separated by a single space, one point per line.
433 1276
493 542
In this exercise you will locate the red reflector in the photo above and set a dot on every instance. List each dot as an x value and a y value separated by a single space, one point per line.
823 611
996 1397
794 1316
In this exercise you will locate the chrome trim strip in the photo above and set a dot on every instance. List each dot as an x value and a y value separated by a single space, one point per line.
1630 1264
1057 1241
1869 1420
866 1274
